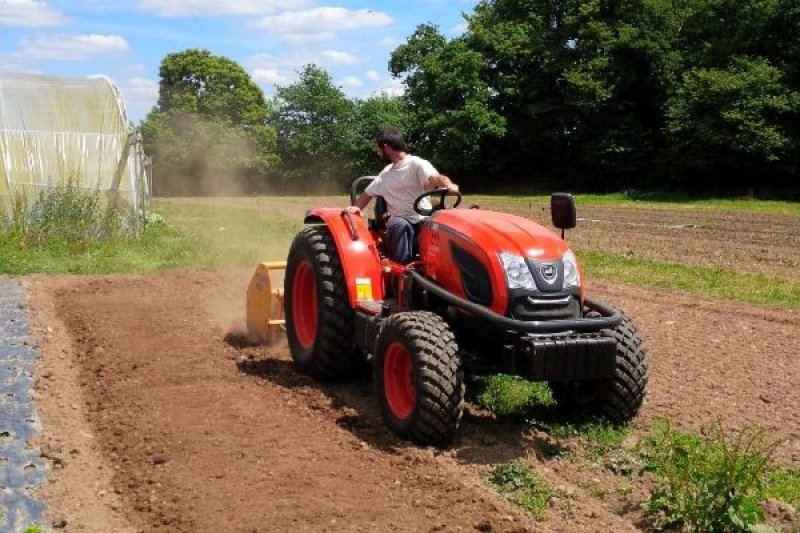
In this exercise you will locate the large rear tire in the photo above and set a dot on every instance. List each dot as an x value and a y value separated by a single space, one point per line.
419 377
619 398
319 319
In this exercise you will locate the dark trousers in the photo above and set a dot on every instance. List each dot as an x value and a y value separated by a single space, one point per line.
400 237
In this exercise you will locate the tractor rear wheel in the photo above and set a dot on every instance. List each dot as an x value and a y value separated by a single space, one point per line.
419 377
619 398
319 319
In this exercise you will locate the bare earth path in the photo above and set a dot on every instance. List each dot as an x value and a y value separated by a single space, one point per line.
158 424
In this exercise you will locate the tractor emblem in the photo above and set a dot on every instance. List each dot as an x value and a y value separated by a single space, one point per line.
549 273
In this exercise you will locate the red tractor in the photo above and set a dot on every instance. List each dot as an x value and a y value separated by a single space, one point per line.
486 293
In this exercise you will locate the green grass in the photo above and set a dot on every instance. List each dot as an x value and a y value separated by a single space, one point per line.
511 396
784 485
196 235
228 235
708 282
36 528
160 247
601 436
523 486
244 231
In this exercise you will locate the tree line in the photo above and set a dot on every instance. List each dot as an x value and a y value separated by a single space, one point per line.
602 95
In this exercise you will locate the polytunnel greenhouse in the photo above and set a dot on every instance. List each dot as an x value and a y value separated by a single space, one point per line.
55 131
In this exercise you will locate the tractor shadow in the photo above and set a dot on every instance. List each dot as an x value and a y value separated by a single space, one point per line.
351 402
483 438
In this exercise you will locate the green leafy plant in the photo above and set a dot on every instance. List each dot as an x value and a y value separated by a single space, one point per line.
512 396
63 217
523 486
707 482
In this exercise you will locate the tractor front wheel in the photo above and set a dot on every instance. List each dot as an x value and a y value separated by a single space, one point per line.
319 319
419 377
619 398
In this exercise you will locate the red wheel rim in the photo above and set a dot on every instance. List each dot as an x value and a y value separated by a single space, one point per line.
304 305
398 381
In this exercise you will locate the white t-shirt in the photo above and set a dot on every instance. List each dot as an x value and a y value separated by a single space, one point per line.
401 183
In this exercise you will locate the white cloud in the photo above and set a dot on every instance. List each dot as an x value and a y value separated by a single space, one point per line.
141 88
282 69
373 75
270 76
71 47
391 87
269 70
200 8
338 57
140 96
320 23
29 14
388 42
458 29
351 82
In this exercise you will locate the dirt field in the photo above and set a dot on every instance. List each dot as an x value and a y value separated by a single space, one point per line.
152 422
756 243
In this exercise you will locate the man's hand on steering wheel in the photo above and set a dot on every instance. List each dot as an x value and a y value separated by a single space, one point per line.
441 193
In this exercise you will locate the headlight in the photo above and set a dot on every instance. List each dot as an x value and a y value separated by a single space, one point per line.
572 277
518 274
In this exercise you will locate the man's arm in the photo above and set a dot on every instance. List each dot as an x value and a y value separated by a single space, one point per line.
440 180
362 201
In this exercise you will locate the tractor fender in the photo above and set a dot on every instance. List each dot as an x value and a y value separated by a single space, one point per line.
358 252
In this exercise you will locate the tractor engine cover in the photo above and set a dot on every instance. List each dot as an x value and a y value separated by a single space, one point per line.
460 250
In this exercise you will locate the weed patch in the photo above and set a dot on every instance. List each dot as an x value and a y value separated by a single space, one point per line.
511 396
601 436
67 229
523 486
784 485
711 481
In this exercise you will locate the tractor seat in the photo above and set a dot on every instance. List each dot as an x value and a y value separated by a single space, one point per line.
381 211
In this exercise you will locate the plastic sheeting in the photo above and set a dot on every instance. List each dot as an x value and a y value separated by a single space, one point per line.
53 129
21 468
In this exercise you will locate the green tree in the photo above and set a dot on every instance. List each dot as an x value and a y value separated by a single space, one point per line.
317 137
209 132
580 83
606 94
450 102
371 116
200 83
728 118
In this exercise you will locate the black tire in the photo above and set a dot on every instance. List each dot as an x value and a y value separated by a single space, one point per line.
329 353
437 377
617 399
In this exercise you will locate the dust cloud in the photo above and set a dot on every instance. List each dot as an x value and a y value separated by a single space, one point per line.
208 160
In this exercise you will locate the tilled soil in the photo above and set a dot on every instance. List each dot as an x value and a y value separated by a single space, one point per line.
173 429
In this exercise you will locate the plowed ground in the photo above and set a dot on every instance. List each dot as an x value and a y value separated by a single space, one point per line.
152 422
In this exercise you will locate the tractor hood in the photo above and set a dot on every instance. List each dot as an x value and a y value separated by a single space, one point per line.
501 232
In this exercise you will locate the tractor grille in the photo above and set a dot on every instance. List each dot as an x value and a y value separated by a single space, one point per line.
538 306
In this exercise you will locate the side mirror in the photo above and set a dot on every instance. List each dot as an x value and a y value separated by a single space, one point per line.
562 210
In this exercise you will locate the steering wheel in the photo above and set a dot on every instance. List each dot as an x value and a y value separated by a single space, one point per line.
441 192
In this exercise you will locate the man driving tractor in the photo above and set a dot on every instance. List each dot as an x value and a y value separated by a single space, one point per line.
405 178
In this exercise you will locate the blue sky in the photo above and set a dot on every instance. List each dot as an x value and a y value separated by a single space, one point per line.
271 39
